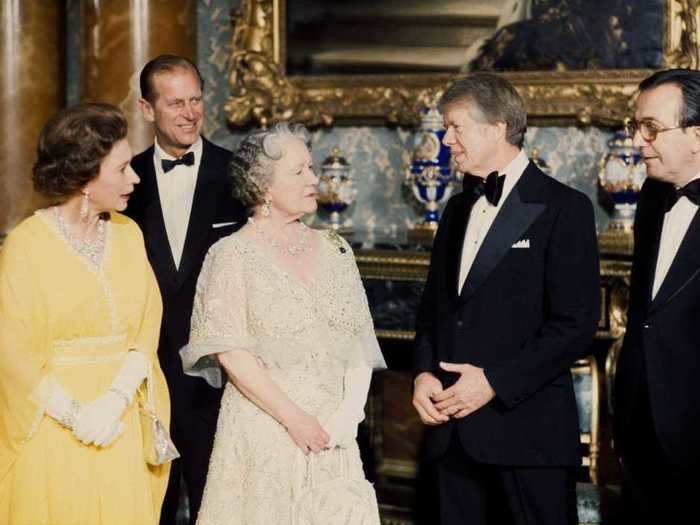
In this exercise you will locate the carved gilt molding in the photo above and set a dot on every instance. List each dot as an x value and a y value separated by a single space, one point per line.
681 33
262 93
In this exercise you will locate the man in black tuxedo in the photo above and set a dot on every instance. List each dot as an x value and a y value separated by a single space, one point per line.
657 383
183 205
511 302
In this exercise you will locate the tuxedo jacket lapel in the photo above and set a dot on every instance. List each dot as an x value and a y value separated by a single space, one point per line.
654 226
457 229
160 254
513 219
684 268
202 213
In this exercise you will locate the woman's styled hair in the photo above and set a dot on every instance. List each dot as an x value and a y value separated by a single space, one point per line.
72 145
252 162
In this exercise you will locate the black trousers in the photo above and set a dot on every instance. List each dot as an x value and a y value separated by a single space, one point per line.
653 495
653 490
193 435
474 493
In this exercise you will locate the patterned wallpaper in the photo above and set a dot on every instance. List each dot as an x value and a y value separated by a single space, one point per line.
378 154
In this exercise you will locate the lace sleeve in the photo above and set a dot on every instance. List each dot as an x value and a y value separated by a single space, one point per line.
354 320
219 320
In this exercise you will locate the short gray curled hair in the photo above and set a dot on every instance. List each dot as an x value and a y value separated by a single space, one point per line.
251 163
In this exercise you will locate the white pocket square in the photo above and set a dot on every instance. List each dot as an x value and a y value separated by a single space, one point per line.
222 224
522 243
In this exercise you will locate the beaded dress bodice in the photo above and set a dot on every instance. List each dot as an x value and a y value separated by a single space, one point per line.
305 336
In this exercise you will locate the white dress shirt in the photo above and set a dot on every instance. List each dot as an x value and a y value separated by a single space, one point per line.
176 190
676 223
483 214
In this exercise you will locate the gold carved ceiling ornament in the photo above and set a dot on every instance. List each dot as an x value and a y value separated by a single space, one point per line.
262 93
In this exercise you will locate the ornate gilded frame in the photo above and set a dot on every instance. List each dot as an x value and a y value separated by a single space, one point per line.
262 93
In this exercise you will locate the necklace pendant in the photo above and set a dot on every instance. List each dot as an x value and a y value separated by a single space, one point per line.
91 251
292 249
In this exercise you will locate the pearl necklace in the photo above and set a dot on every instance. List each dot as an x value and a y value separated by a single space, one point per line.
93 250
288 249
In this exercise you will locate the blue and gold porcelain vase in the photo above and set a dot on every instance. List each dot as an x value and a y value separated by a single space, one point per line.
335 190
621 175
430 173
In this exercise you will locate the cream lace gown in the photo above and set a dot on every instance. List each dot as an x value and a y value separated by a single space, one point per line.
306 336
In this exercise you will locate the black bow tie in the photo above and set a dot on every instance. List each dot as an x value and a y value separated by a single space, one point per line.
187 159
490 187
690 190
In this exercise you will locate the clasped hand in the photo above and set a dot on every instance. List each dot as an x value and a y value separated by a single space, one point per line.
436 405
307 433
100 421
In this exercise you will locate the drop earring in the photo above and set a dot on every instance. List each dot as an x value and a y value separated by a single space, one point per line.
85 206
266 208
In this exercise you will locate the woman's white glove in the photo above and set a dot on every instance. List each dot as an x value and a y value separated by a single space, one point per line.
342 425
65 410
131 375
99 422
61 406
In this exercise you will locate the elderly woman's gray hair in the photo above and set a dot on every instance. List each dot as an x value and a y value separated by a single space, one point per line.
251 164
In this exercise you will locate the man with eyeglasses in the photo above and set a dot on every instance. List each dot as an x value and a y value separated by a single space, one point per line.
657 384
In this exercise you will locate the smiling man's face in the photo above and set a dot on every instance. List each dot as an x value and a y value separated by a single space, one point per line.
177 111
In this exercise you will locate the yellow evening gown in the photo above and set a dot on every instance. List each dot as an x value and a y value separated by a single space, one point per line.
66 320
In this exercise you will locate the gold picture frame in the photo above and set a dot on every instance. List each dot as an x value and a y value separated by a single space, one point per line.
262 93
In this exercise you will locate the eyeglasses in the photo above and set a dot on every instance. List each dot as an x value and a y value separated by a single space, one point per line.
647 128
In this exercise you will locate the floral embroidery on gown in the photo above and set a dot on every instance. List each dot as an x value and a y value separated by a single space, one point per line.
306 336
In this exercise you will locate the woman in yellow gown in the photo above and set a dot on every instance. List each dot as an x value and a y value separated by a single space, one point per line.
80 317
